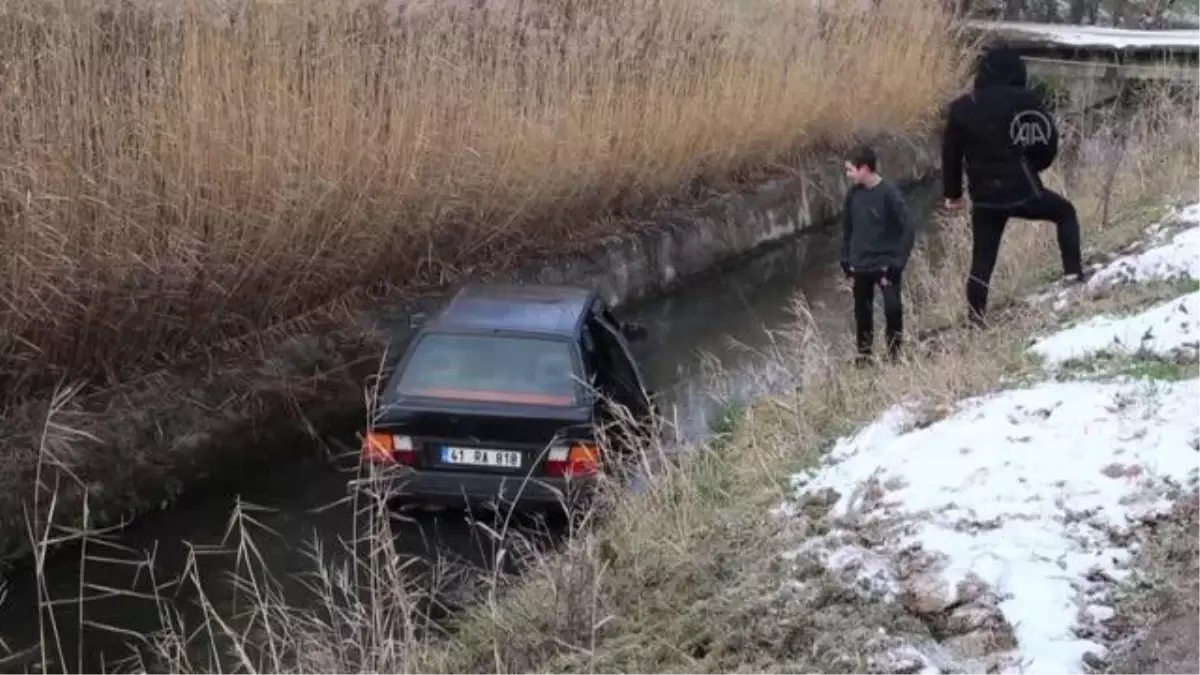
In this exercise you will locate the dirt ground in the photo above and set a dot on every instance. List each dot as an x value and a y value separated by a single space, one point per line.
1161 608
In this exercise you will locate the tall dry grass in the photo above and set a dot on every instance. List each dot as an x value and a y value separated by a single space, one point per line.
174 175
685 575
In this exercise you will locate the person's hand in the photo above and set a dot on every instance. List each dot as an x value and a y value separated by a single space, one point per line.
891 275
847 270
954 204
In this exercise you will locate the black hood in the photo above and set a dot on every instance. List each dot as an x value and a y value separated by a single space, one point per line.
1000 66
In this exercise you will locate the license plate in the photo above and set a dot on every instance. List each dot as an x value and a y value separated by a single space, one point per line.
503 459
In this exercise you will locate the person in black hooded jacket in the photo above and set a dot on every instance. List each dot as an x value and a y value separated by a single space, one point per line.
1007 137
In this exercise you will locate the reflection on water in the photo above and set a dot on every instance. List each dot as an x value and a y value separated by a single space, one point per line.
740 333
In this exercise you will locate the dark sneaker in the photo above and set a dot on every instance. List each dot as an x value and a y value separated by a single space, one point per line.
1074 278
864 361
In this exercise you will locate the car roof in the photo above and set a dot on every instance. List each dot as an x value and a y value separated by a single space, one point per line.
552 310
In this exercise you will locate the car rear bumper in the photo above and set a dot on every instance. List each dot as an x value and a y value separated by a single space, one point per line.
454 488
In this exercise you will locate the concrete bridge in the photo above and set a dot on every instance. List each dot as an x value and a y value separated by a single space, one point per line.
1095 64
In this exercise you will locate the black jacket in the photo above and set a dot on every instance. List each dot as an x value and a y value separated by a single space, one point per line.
1005 133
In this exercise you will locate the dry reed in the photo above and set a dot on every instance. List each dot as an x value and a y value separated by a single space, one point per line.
174 176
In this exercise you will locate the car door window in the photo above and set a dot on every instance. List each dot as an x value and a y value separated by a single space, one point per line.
630 390
593 365
598 353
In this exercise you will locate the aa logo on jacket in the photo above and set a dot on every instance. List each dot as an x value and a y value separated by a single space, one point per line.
1030 127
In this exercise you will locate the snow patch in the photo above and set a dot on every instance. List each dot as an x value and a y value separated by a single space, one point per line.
1096 36
1158 257
1190 213
905 659
1178 259
1169 329
867 573
1027 496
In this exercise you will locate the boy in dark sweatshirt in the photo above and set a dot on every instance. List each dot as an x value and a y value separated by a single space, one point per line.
877 237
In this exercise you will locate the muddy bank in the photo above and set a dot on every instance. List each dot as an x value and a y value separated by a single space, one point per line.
171 435
1156 628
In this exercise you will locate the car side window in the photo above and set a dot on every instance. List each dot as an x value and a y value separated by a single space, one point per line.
619 366
596 353
590 353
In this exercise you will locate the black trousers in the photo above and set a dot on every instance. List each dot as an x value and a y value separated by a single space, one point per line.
864 311
987 229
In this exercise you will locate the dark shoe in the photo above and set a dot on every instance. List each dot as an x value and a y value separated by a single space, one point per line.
864 361
1074 278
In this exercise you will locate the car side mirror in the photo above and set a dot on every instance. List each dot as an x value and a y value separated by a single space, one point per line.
633 331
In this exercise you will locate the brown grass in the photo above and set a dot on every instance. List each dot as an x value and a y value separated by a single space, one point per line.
687 575
1158 612
175 178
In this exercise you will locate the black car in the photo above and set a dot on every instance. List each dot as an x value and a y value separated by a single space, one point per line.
498 399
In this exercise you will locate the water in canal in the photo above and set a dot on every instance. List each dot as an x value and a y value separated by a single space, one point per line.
728 316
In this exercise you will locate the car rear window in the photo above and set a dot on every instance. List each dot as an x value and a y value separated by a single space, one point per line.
492 368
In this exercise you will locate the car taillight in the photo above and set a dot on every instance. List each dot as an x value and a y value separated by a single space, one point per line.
382 448
575 460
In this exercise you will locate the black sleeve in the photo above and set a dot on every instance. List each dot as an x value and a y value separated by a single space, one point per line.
901 217
1041 155
846 227
952 168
